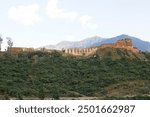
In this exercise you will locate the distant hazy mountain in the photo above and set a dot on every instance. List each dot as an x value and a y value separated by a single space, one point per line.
76 44
96 41
142 45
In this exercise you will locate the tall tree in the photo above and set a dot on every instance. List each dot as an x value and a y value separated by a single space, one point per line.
10 43
1 40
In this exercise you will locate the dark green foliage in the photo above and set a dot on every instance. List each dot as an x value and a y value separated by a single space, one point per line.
138 97
41 94
51 75
55 93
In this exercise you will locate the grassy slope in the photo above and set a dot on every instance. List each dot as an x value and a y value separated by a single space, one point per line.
40 75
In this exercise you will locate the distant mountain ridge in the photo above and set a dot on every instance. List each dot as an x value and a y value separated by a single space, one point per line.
142 45
96 41
86 43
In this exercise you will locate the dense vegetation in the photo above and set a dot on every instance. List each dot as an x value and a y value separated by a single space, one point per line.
53 75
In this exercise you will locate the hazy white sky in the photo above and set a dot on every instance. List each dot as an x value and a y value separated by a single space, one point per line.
35 23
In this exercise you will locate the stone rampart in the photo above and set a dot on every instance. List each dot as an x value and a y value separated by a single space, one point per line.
20 49
124 43
80 51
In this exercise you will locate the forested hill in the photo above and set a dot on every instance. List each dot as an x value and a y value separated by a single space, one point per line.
42 75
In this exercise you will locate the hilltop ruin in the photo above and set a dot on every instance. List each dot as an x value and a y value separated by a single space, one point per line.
124 44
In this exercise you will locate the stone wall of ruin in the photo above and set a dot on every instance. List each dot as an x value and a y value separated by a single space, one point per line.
20 49
124 43
80 51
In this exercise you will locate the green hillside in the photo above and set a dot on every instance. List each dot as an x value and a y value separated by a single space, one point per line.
39 75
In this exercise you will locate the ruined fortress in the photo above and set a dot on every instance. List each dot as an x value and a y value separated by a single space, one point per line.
124 44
